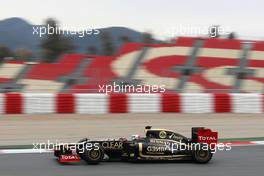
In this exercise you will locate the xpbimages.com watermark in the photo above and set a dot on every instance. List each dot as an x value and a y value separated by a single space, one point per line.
192 30
51 146
51 30
128 88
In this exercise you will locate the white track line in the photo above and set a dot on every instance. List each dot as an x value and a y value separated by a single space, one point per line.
18 151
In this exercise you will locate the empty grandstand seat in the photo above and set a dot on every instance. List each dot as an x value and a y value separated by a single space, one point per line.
255 83
10 69
52 71
98 72
257 51
216 57
222 43
157 67
186 41
46 75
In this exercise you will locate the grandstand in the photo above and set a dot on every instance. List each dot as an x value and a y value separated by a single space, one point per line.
186 65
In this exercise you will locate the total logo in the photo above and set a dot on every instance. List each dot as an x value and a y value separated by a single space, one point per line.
207 138
70 157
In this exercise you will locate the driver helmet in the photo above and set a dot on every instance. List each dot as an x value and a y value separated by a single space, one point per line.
134 137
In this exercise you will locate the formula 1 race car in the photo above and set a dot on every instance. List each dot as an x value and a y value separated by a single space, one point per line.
158 145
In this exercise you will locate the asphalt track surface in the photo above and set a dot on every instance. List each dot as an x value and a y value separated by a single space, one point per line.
240 161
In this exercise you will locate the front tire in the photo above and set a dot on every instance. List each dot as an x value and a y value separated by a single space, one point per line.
94 155
80 148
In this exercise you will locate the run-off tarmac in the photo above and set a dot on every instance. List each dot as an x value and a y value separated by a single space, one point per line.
28 129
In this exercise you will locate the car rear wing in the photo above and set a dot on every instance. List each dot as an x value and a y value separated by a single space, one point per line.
203 135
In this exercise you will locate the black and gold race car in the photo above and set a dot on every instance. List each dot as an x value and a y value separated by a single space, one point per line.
157 145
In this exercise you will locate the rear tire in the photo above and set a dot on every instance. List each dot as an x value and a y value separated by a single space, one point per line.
202 156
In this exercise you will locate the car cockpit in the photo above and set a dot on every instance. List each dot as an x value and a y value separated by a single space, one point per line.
163 134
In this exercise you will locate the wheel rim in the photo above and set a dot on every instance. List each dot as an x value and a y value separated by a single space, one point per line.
202 154
95 154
